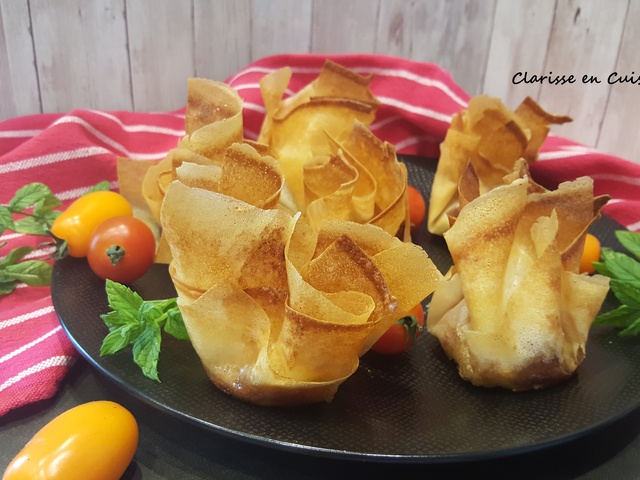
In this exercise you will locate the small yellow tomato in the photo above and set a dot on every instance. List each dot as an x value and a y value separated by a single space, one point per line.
95 440
77 223
590 254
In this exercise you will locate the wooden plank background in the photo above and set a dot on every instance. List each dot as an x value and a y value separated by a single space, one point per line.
56 55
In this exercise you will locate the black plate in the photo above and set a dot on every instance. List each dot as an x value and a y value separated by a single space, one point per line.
410 408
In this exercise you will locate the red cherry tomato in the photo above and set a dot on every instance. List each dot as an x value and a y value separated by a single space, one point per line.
402 334
122 249
417 206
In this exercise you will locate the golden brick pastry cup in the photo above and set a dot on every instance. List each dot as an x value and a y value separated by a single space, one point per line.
514 312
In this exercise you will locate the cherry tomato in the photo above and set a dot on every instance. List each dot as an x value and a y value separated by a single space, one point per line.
122 249
401 334
95 440
77 223
591 253
417 206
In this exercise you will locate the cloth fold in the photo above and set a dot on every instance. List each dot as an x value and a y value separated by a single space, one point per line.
73 151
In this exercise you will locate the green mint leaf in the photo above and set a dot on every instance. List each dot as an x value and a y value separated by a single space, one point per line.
174 325
622 267
146 351
632 330
35 273
29 195
601 268
621 317
118 318
122 298
626 292
7 286
119 338
15 255
166 304
6 219
99 187
32 226
150 312
46 205
47 217
630 241
133 320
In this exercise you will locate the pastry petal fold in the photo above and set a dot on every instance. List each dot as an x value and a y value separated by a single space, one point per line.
513 311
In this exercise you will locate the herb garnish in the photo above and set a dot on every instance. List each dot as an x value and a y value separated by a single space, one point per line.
31 211
138 322
624 272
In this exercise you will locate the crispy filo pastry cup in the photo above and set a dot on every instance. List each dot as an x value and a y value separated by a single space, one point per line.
513 311
335 168
493 138
279 313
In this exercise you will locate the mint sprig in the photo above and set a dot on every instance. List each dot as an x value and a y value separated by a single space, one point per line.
35 204
31 211
138 322
14 270
624 271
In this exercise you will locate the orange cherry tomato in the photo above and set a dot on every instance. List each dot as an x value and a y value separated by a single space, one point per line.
590 254
77 223
417 206
401 335
122 249
95 440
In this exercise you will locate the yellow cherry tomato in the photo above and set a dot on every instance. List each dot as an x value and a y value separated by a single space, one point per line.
95 440
77 223
591 253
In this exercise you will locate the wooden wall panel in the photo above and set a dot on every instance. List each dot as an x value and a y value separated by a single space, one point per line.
161 52
619 132
81 53
20 93
455 34
280 26
137 54
7 96
584 41
400 25
519 42
222 32
345 27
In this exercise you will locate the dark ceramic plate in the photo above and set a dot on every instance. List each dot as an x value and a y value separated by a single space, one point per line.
411 408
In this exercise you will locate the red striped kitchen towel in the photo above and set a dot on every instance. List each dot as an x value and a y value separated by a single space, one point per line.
72 151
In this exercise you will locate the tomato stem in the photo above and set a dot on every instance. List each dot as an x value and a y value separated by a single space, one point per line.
411 325
61 247
115 253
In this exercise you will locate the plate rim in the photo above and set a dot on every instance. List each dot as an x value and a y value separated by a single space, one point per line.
319 451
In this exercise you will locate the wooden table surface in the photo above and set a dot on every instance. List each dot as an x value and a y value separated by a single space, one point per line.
172 449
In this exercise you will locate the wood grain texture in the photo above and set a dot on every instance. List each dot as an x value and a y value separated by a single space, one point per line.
222 32
161 52
519 42
619 132
585 40
280 26
455 34
20 93
81 54
345 27
56 55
